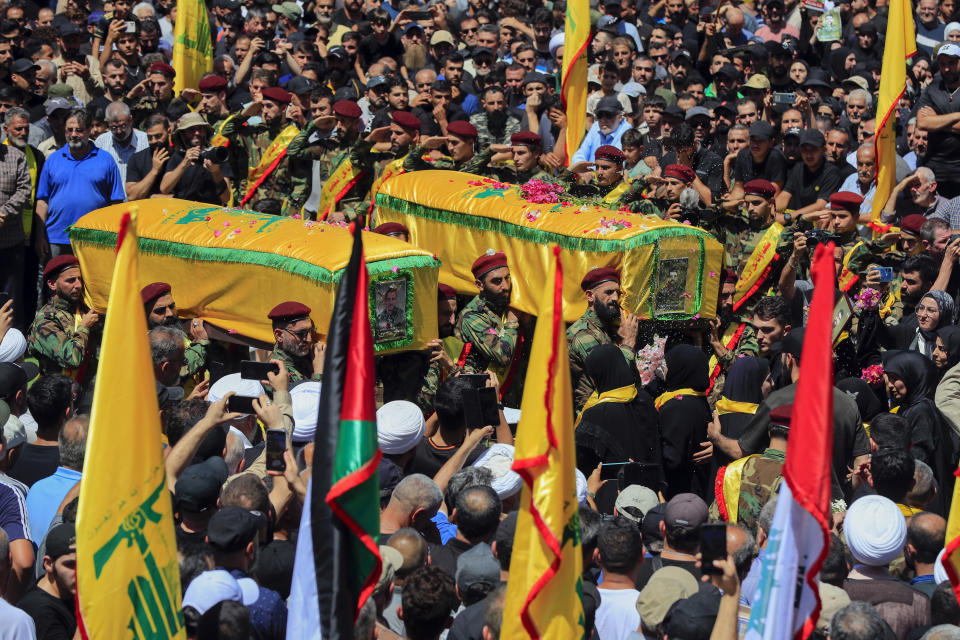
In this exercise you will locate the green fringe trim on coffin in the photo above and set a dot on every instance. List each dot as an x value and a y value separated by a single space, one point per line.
540 236
247 256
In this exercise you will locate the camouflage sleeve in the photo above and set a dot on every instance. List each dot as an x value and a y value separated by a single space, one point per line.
496 346
431 382
633 192
231 128
478 163
747 345
195 358
414 160
66 348
299 148
362 156
630 356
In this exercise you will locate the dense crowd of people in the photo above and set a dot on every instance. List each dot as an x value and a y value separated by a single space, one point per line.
754 120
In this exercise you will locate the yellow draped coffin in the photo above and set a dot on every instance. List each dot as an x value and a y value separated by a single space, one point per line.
229 267
670 271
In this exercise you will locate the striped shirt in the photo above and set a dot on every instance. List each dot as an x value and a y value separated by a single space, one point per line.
13 508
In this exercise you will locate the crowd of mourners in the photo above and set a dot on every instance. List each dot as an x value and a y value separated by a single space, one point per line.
753 120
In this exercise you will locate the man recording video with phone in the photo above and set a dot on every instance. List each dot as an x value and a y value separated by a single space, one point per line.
195 170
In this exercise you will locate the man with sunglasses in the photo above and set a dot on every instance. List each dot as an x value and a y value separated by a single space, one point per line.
295 346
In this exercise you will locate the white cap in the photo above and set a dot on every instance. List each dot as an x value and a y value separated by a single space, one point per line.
210 588
498 459
12 346
306 404
235 383
400 427
14 434
949 49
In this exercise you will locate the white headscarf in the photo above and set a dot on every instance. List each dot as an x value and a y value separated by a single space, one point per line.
875 530
400 427
581 488
13 345
953 26
499 458
306 403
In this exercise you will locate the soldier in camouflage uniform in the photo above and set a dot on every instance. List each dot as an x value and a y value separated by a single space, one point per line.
665 200
760 477
441 366
461 141
858 254
600 324
289 181
491 327
160 309
295 347
60 336
607 187
527 149
729 336
155 95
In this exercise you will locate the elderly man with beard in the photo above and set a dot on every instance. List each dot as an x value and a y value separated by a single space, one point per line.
607 130
296 346
15 196
604 322
75 180
161 311
58 342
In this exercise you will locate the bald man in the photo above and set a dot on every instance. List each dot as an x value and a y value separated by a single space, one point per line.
926 533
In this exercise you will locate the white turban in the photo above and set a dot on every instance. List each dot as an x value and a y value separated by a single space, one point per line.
939 573
235 383
499 458
555 43
875 530
400 427
13 345
306 403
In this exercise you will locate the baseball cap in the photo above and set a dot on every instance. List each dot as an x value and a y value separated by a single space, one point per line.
692 618
12 378
685 511
375 81
762 130
23 65
757 81
812 137
68 29
860 81
289 10
635 501
61 540
411 26
55 104
62 90
693 112
729 71
477 566
299 85
231 528
633 89
441 36
338 52
210 588
609 104
14 433
198 487
664 588
650 529
949 49
681 53
792 132
390 561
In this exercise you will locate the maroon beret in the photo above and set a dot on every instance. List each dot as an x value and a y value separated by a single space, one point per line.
729 275
680 172
347 109
277 95
392 228
59 264
760 187
446 292
406 120
912 223
153 291
528 138
780 416
487 263
212 83
846 200
607 152
289 311
598 276
162 67
463 129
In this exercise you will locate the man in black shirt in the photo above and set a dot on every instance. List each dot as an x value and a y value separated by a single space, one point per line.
812 181
938 114
191 176
759 160
51 601
147 167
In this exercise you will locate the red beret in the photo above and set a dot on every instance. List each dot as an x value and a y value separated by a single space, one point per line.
760 187
162 67
729 275
488 262
598 276
406 120
58 265
277 95
391 228
463 129
528 138
680 172
446 292
780 416
607 152
212 83
912 223
347 109
846 200
289 311
153 291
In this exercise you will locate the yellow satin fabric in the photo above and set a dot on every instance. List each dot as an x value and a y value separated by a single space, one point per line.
665 397
725 405
234 294
459 244
620 394
732 478
758 261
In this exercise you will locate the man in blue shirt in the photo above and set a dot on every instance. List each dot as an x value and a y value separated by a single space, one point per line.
607 130
45 495
74 181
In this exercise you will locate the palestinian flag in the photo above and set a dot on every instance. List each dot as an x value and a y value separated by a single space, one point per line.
337 551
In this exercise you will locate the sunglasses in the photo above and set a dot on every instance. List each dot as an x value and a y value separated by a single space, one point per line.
301 335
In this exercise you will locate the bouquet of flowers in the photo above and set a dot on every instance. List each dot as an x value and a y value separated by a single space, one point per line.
541 192
872 375
650 359
867 299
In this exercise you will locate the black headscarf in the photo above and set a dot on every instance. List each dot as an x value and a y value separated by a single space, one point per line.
615 431
950 337
687 367
838 62
917 372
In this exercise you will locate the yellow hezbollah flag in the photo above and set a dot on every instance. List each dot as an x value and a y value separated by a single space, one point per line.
543 593
192 45
128 582
900 45
573 83
951 558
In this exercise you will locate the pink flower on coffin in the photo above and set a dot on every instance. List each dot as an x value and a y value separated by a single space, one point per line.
296 216
713 274
207 218
216 234
395 269
226 223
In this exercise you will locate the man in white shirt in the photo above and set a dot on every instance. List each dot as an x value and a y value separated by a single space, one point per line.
15 624
619 553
